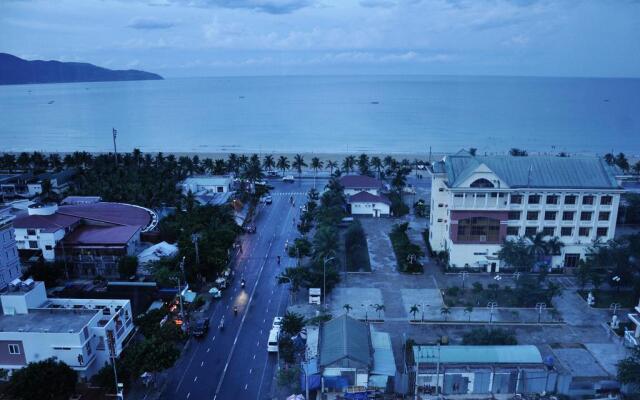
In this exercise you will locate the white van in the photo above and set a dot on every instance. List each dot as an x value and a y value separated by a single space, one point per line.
272 344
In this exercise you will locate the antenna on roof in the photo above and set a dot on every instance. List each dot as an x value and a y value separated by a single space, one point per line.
529 175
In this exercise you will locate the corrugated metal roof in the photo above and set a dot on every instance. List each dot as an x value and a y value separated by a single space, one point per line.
518 354
344 337
383 361
533 171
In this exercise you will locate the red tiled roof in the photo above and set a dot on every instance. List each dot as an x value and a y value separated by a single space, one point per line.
366 197
100 235
360 181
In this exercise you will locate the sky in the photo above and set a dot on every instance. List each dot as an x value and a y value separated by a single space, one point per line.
190 38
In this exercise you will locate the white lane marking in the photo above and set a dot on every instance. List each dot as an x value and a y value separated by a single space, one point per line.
202 364
244 316
245 386
208 349
213 338
195 379
185 371
188 395
254 356
250 370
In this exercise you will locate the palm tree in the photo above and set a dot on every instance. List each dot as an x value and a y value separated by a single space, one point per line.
468 310
376 163
219 167
609 158
232 163
316 164
379 308
208 165
243 160
414 310
554 246
283 164
348 163
253 169
347 308
445 312
325 242
8 162
331 165
55 162
298 163
268 163
363 164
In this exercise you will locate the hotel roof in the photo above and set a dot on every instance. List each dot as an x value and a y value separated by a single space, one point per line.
47 320
366 197
360 181
532 171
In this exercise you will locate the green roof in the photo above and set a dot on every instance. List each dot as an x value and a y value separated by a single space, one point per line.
533 171
344 337
520 354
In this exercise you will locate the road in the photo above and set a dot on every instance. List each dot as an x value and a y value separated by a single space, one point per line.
233 363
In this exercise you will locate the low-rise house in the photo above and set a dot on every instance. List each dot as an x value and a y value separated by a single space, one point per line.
354 184
90 238
60 181
14 185
79 332
482 371
207 184
365 203
9 261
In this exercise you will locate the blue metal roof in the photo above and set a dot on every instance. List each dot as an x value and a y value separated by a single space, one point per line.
518 354
533 171
344 337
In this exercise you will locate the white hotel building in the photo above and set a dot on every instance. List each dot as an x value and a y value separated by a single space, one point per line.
78 332
479 201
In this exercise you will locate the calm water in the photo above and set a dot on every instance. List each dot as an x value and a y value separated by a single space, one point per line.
325 114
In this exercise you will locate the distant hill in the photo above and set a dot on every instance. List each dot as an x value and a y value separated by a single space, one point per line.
15 70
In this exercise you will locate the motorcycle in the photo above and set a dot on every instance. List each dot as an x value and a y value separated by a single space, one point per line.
242 283
221 325
235 310
278 258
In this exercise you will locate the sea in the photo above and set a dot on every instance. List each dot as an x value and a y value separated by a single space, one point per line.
326 114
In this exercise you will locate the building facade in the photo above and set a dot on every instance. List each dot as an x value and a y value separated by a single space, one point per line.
478 202
364 195
82 333
9 262
207 183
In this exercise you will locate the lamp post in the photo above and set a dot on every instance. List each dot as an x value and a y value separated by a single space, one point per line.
540 307
463 274
492 306
195 238
617 280
324 280
114 131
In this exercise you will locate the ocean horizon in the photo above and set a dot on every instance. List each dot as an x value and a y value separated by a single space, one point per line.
326 114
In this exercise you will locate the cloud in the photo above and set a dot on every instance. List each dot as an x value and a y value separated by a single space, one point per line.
149 23
266 6
378 3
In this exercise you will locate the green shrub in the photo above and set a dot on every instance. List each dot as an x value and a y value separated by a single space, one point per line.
407 253
452 291
489 337
356 249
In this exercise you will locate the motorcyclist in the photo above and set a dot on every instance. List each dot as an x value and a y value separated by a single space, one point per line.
221 325
235 310
242 283
278 258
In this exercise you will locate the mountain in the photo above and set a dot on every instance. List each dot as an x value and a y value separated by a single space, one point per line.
15 70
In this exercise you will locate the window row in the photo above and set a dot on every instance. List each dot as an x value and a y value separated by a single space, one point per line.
553 215
555 199
566 231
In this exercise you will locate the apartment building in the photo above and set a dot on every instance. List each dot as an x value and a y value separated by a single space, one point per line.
479 201
82 333
9 261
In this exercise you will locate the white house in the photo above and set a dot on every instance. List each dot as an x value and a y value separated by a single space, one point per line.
365 203
207 184
79 332
354 184
9 261
478 202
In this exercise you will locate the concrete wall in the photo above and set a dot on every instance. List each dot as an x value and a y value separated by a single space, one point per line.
369 209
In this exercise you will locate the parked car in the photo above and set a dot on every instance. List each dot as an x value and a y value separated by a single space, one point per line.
200 328
261 183
268 200
288 179
250 228
272 344
277 322
221 283
272 174
215 293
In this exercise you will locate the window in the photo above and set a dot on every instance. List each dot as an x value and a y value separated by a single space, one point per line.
530 231
31 232
532 215
458 196
439 219
552 199
440 205
584 231
602 232
534 199
516 199
514 215
548 231
220 189
587 200
479 229
550 215
513 230
442 190
604 216
585 216
606 200
566 231
481 183
48 247
14 349
571 199
33 244
567 215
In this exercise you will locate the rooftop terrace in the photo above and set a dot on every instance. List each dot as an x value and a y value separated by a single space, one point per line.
49 320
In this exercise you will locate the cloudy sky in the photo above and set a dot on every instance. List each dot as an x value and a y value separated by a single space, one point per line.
279 37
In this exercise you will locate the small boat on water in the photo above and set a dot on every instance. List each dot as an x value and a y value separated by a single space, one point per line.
375 102
51 101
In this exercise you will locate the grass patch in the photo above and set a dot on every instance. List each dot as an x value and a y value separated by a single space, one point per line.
604 298
407 253
356 249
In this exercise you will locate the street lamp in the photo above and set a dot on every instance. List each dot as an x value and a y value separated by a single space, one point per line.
195 238
617 280
540 307
324 280
516 275
464 275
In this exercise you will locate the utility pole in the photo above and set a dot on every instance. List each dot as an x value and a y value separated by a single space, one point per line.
195 238
115 149
112 352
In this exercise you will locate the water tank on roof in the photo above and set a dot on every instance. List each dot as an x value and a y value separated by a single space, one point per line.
28 284
42 209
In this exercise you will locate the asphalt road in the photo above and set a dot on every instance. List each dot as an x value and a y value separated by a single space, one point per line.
233 363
